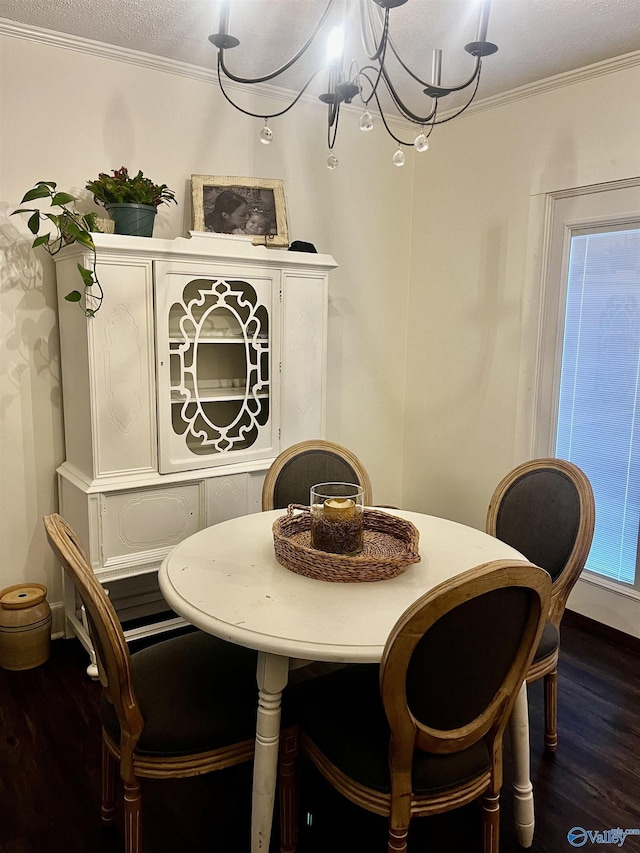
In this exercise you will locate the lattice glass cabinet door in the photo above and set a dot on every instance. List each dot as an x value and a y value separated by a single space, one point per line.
218 369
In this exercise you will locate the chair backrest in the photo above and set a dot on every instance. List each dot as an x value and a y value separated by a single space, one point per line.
456 659
296 469
545 510
110 646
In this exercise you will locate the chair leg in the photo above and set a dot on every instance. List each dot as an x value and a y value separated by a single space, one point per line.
132 829
490 823
397 840
109 779
288 785
551 711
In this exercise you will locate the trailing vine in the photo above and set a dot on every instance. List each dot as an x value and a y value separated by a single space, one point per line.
71 227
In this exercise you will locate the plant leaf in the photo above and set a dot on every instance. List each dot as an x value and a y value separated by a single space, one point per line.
62 198
70 228
39 241
39 191
87 276
74 296
34 222
82 237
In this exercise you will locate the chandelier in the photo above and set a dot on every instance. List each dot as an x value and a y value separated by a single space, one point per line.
364 82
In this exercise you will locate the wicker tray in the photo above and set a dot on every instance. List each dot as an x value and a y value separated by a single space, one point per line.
390 545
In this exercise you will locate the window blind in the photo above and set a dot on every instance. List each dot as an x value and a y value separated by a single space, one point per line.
599 405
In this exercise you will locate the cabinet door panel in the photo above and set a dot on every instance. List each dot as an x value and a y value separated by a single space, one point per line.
304 357
226 498
108 371
218 378
149 522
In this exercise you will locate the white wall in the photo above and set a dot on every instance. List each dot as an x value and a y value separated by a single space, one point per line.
65 116
474 295
460 233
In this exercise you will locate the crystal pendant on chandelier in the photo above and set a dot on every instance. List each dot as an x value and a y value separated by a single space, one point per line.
398 157
366 121
332 161
266 134
421 143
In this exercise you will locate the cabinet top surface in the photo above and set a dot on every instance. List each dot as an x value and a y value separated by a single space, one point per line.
202 248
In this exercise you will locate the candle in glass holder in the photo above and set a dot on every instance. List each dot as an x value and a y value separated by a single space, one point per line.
337 518
339 509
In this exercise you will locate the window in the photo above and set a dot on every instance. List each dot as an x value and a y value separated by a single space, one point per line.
588 371
598 424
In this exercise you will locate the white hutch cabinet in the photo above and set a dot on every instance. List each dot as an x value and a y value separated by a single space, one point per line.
206 359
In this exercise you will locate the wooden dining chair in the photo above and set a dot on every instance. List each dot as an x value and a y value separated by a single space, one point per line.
545 509
181 707
296 469
422 732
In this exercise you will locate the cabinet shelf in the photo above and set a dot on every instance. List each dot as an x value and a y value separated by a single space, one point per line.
219 339
207 395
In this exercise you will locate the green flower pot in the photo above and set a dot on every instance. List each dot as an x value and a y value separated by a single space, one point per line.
133 219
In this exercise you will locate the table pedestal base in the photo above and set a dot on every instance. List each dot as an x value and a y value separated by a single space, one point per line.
522 787
273 674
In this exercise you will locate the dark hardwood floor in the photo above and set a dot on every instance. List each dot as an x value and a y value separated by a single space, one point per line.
50 771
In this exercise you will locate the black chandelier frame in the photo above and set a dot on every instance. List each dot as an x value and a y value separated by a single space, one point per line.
364 81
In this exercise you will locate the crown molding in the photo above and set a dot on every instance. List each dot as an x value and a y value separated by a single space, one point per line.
205 75
558 81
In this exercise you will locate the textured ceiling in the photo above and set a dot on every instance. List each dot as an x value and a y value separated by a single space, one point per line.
537 38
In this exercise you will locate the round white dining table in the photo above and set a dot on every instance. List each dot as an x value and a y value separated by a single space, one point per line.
226 581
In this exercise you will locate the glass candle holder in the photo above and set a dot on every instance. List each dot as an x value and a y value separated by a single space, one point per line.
337 518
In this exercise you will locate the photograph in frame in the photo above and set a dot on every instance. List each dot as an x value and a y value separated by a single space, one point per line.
251 208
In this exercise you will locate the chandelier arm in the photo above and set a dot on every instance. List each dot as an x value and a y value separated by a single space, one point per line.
400 106
389 41
266 77
403 109
374 86
334 116
380 47
270 115
404 65
462 109
426 82
443 91
386 125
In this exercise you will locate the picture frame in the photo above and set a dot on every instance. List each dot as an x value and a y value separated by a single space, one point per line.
218 208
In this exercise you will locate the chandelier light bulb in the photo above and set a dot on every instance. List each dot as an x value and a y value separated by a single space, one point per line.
366 121
332 161
421 143
335 44
266 134
398 157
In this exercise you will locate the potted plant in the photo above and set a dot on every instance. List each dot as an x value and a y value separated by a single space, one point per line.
71 227
131 201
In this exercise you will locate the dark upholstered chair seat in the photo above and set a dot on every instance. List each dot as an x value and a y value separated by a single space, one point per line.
343 715
549 642
184 712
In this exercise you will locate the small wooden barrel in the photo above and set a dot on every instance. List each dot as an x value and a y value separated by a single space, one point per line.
25 626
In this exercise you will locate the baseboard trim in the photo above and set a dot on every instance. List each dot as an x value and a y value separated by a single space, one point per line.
585 623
